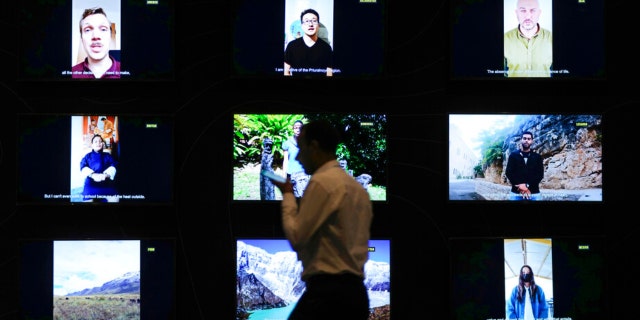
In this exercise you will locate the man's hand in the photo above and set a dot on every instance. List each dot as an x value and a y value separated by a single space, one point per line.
98 177
524 191
284 187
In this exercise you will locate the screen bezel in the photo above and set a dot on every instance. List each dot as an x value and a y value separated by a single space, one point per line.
157 276
587 196
43 27
285 122
477 276
382 311
55 175
267 63
570 65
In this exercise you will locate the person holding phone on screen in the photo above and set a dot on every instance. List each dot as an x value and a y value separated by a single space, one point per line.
309 55
290 165
525 170
528 47
95 37
99 169
527 300
329 228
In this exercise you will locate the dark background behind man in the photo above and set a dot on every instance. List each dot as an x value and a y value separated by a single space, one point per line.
204 95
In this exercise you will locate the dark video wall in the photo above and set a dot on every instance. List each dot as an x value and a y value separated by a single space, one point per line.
417 64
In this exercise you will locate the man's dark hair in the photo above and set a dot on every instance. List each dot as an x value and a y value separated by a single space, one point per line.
98 136
309 11
92 11
527 132
323 132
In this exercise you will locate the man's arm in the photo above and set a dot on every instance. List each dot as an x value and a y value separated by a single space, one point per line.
510 171
511 308
300 223
543 308
539 173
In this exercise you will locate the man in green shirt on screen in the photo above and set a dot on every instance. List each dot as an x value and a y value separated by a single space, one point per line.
528 47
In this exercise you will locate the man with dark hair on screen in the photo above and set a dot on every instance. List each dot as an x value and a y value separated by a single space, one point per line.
95 36
525 170
527 300
329 228
309 55
528 47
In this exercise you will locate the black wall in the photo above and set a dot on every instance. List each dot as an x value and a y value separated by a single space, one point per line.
417 96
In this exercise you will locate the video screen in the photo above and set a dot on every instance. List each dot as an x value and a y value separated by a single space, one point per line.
269 285
268 142
97 279
95 159
547 278
305 38
525 157
97 40
528 39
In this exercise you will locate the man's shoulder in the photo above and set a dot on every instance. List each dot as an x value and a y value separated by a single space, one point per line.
323 43
514 289
513 33
295 42
78 67
116 63
545 33
545 30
